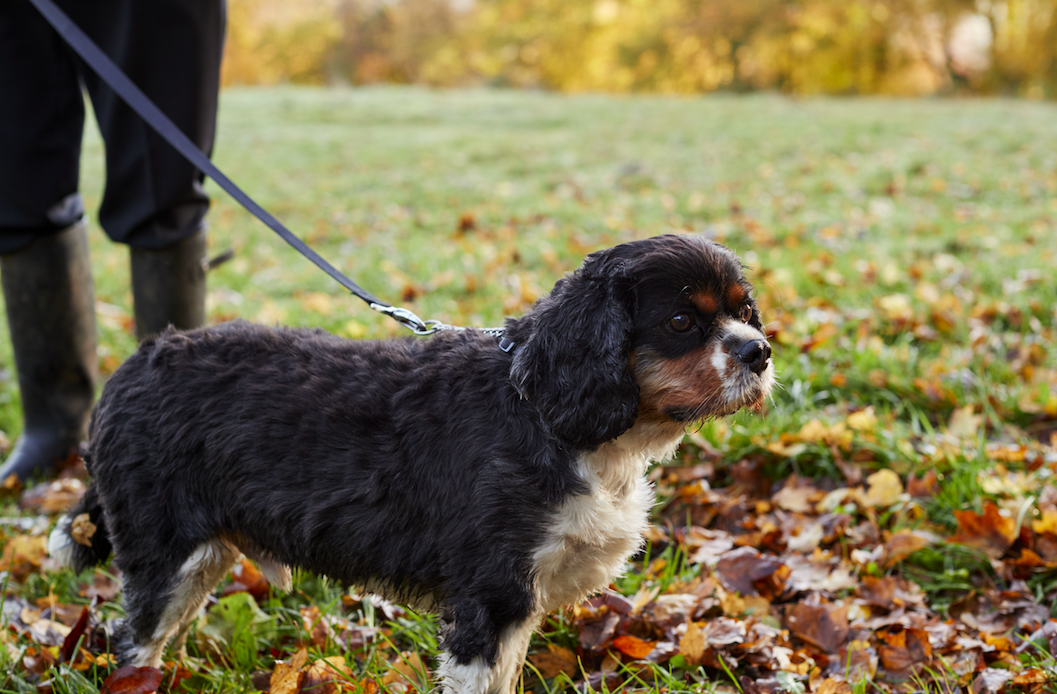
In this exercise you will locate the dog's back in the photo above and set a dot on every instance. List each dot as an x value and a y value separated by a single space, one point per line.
245 430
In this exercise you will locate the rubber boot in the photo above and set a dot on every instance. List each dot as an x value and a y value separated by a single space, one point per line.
169 286
51 314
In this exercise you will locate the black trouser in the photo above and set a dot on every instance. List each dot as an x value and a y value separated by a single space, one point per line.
171 49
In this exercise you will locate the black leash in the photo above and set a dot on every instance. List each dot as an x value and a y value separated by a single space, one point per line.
160 123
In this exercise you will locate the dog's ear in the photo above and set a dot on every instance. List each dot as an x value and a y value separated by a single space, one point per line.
572 352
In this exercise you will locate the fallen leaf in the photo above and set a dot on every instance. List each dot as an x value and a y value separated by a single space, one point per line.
633 647
467 222
813 432
37 661
711 546
895 308
991 532
315 626
902 544
884 489
990 681
247 578
286 677
48 632
796 499
11 485
407 669
132 680
1046 524
825 626
72 639
724 632
692 645
786 450
902 649
739 569
924 488
107 660
865 420
1031 676
809 537
879 592
596 633
673 607
832 686
327 676
554 661
175 674
964 424
23 554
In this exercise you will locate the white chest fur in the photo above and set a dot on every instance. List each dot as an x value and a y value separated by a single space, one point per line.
591 535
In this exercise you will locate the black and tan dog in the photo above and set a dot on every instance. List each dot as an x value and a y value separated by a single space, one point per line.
489 485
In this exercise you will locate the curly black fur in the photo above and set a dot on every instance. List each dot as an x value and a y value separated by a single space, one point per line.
430 467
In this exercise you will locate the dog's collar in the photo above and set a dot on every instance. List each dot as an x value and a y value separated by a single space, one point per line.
506 344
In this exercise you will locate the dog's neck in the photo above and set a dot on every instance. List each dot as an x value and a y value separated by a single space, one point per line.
616 465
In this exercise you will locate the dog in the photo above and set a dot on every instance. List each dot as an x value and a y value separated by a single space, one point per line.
491 485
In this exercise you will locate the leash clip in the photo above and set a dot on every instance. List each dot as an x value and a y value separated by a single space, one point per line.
412 322
407 318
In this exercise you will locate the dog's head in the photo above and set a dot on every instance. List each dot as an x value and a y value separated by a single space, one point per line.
665 329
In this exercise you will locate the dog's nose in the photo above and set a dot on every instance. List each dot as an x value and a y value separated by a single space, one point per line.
754 354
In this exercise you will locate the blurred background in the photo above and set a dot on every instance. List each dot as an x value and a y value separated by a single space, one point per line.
891 47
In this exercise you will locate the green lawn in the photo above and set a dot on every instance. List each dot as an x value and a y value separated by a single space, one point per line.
903 253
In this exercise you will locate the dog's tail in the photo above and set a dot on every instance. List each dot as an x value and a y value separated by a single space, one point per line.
80 539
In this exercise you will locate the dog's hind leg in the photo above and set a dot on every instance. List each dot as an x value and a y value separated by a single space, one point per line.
513 646
147 628
200 584
494 663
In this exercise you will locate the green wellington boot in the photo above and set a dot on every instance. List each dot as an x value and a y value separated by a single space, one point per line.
169 286
51 313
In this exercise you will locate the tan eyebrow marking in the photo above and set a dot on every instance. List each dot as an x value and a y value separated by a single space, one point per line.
736 296
705 302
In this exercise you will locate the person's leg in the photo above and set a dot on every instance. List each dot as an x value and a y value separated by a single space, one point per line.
44 268
154 200
41 122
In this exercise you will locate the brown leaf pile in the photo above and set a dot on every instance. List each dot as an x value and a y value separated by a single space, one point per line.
806 580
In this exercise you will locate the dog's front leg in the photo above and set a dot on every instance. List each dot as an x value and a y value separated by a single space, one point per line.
480 660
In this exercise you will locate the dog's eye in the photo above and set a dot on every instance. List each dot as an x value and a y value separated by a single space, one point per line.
681 322
745 314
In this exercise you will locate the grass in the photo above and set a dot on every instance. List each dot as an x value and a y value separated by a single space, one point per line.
902 250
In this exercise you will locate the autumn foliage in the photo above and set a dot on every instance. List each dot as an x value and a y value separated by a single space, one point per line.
907 47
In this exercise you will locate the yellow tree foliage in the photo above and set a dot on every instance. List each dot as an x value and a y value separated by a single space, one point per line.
909 47
270 41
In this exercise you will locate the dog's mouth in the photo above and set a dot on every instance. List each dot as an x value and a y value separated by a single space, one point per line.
741 389
705 384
